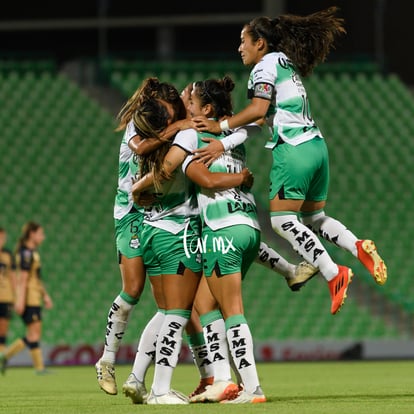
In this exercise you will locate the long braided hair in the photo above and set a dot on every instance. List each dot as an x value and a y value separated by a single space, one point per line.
306 40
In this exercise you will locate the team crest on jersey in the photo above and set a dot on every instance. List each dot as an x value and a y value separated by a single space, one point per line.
134 242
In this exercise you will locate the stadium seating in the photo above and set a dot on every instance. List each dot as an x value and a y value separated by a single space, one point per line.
59 162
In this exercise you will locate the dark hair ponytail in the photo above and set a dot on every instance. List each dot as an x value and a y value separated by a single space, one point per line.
306 40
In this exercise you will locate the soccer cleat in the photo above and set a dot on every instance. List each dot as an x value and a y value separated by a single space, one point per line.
245 397
171 397
218 391
338 287
201 388
369 257
3 363
135 390
303 273
105 372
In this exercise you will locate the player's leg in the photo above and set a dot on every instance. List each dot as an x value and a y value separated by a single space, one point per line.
296 276
292 177
180 279
133 275
134 387
224 271
199 351
335 232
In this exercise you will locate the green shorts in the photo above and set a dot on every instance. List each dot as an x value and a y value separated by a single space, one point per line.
127 234
300 172
229 250
165 253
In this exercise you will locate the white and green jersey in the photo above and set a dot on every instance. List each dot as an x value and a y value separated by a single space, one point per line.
222 208
274 78
176 204
127 170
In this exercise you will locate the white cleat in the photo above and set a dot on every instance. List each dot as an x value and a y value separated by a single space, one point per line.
303 273
170 398
105 373
135 390
218 391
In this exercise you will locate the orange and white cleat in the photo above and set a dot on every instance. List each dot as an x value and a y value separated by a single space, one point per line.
201 388
218 391
245 397
338 287
369 257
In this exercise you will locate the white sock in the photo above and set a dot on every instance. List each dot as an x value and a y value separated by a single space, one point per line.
146 347
239 379
168 349
305 243
274 261
115 328
332 230
215 338
240 343
200 354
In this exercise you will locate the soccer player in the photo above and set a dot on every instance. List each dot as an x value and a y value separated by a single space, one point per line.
281 51
128 223
31 295
171 223
7 287
230 232
295 275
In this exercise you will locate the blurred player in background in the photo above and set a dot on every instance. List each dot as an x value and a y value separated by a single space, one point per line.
7 288
31 296
281 51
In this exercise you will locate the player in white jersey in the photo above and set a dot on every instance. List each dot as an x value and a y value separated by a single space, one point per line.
128 223
230 238
134 387
282 50
170 221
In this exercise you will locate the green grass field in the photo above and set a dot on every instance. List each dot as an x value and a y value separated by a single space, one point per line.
291 388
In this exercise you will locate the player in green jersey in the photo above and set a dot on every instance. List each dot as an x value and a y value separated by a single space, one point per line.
281 51
223 255
156 100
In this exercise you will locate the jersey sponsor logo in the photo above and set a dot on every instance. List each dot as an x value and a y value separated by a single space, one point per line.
238 346
285 63
169 345
304 240
234 207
